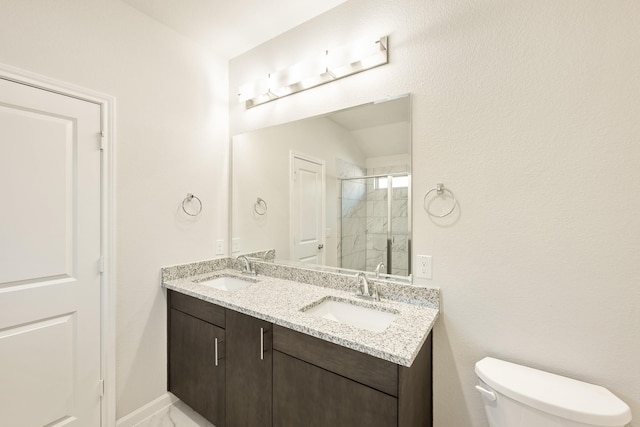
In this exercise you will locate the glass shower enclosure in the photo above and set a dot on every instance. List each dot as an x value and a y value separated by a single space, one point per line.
375 223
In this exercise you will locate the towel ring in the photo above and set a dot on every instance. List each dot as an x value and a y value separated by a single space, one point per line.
260 206
439 189
189 199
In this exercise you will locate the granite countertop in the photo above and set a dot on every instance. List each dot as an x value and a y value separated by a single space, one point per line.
279 301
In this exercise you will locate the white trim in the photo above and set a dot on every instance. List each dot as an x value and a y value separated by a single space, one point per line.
108 301
147 410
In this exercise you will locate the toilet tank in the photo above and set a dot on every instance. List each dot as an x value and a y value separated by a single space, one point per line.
528 397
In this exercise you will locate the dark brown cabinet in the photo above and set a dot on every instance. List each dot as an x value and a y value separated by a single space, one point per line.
306 395
239 371
220 362
249 371
196 368
321 384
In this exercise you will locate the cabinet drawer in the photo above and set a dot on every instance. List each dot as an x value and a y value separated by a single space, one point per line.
363 368
306 395
198 308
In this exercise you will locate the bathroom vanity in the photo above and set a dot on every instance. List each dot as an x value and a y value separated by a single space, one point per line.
256 356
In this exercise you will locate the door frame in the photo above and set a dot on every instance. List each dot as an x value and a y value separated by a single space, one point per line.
107 227
297 155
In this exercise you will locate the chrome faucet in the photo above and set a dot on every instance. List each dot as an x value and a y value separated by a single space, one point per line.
379 267
247 268
368 290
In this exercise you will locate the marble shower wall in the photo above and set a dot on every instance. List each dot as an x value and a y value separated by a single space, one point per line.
352 216
362 220
377 218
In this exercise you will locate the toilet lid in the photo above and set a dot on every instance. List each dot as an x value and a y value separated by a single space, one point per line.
557 395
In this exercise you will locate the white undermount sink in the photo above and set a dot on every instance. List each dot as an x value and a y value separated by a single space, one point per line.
343 311
226 283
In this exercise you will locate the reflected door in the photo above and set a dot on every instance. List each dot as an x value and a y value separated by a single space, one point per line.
307 201
49 259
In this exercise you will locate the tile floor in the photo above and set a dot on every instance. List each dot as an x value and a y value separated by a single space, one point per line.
176 415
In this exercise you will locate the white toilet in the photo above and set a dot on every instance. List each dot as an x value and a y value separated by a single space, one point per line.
518 396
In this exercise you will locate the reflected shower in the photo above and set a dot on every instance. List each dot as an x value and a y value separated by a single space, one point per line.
375 223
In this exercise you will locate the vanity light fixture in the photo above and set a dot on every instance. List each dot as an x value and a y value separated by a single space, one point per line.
330 65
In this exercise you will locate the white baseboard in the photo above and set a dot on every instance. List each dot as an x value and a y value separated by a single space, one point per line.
147 410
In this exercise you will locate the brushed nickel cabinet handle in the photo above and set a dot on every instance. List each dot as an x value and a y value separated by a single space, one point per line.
215 350
261 343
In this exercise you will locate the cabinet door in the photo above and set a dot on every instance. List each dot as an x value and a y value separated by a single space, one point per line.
249 371
305 395
193 374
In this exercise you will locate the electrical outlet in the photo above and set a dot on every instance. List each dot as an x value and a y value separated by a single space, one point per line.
235 244
219 247
424 268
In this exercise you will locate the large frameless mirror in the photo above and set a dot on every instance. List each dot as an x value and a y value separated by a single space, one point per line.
331 191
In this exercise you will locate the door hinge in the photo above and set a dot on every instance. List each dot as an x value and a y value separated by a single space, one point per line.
101 264
101 387
101 140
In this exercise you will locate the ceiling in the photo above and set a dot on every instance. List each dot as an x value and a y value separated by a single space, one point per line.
381 128
231 27
379 113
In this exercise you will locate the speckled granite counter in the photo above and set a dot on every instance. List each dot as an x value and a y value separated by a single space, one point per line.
279 301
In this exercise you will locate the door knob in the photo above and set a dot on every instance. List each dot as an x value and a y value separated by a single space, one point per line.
320 246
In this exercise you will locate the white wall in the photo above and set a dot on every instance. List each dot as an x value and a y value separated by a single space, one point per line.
172 138
261 168
530 113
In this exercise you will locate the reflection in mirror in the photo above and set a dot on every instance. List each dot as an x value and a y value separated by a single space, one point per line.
332 190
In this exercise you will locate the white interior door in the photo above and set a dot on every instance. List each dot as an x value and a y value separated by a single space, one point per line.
307 210
50 282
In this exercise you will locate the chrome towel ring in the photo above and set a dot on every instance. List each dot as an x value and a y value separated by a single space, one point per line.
260 206
189 200
440 190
